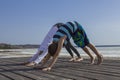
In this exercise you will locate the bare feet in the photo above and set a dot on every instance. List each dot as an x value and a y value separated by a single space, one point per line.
72 59
30 64
92 60
79 59
100 60
46 69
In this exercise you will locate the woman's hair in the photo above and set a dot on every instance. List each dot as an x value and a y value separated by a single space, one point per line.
59 24
52 48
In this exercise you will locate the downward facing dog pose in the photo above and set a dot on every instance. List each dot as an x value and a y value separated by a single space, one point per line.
63 35
43 49
53 51
81 40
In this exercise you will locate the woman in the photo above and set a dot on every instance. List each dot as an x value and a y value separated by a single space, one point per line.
43 49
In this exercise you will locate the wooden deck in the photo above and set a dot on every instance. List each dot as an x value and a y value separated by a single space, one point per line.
10 69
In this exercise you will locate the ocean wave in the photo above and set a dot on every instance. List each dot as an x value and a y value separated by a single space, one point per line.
106 52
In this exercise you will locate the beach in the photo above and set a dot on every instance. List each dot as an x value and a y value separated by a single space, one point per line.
11 68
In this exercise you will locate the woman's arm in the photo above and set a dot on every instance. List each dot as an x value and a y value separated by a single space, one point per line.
46 58
55 57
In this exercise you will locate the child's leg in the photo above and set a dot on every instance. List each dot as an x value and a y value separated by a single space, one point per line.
92 47
87 51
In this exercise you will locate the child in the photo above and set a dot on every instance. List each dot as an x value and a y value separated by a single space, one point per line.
81 40
43 49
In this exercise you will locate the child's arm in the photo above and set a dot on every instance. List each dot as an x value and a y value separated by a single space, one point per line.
55 57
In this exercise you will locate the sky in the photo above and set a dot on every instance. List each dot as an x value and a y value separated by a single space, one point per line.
28 21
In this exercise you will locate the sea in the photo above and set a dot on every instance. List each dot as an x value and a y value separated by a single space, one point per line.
112 52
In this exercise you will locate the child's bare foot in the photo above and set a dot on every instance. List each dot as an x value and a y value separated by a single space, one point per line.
100 60
79 59
92 60
30 64
72 59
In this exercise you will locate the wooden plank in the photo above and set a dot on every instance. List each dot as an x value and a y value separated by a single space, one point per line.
10 69
4 77
35 72
24 74
87 74
11 75
64 74
50 76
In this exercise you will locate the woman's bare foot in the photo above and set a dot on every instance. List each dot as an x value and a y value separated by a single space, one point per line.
72 59
30 64
46 69
79 59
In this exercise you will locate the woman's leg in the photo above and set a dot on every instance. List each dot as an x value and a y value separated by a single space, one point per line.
38 59
67 46
76 52
35 56
41 56
69 50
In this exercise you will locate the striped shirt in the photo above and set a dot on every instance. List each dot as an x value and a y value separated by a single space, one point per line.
67 29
